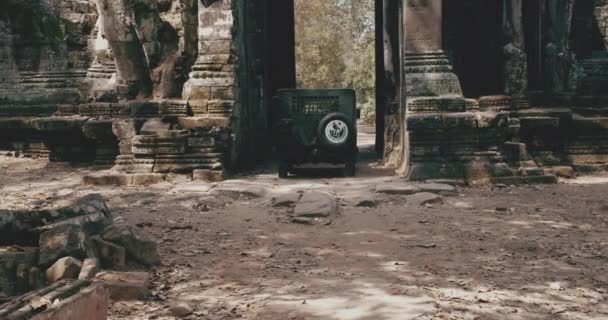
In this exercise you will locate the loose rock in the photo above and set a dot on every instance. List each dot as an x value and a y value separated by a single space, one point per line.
180 309
90 268
64 240
287 199
143 251
316 205
64 268
111 256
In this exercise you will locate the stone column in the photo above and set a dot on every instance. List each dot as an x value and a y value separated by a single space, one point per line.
515 73
210 89
427 69
560 61
8 67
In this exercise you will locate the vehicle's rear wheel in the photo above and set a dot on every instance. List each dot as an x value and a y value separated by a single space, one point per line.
283 169
350 168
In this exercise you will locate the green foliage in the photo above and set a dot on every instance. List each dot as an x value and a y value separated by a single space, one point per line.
335 48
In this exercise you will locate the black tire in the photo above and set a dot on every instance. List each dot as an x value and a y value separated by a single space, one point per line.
341 135
350 168
283 169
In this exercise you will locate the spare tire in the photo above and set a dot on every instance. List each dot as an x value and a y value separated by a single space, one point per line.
336 131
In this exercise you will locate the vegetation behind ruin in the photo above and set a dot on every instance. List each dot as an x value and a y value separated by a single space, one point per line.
335 48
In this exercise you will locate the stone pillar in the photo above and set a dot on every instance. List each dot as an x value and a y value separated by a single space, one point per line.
560 62
8 67
428 71
515 72
210 89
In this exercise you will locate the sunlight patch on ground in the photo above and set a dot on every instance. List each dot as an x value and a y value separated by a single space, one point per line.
378 233
587 180
363 301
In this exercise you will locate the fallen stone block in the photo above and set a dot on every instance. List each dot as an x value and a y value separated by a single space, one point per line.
315 204
23 226
36 278
111 256
63 241
90 268
91 224
64 268
142 251
62 300
287 199
90 303
125 285
12 262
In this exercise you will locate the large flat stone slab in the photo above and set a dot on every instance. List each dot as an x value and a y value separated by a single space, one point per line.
314 204
247 191
359 198
125 285
436 188
397 188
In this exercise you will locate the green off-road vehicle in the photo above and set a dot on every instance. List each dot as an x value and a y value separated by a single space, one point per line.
316 126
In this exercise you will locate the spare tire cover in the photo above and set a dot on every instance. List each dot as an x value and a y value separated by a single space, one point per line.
335 130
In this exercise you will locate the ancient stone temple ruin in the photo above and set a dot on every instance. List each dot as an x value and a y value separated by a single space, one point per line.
484 90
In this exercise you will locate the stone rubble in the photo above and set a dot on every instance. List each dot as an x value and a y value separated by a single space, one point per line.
67 236
64 268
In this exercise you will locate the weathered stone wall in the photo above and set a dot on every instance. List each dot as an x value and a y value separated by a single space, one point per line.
93 65
45 49
174 86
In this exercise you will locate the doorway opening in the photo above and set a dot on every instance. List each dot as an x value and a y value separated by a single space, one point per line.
473 40
535 31
327 44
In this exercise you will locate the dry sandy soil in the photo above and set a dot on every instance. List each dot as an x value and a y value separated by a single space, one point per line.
530 252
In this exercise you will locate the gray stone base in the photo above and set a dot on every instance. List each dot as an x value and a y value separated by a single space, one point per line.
432 84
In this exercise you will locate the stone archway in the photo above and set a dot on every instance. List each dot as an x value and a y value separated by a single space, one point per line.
275 19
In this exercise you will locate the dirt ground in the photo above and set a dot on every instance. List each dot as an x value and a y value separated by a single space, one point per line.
492 252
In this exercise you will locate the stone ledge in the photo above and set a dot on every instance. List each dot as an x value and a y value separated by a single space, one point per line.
473 120
195 122
123 179
62 300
